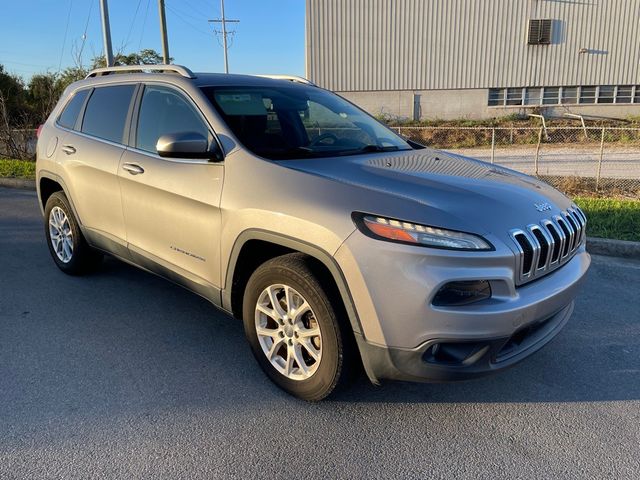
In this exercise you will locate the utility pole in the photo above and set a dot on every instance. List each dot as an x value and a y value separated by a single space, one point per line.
163 32
223 21
106 33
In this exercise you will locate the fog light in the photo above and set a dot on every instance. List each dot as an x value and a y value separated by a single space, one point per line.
455 294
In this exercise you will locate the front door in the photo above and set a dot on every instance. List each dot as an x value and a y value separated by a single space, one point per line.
171 206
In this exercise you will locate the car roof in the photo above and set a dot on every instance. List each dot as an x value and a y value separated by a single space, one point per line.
237 80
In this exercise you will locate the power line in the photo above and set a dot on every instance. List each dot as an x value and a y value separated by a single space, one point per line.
144 22
41 65
195 9
183 14
66 30
187 22
84 34
86 25
133 20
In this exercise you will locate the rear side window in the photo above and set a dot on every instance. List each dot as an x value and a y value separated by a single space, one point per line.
70 113
106 112
163 111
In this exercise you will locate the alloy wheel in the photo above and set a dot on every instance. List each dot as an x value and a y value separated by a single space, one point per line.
60 234
288 332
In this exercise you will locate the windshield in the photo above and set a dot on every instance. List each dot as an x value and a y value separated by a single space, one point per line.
299 121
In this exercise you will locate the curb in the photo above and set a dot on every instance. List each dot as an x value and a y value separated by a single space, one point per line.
597 246
613 248
18 183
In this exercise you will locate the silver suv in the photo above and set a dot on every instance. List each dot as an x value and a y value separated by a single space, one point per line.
338 243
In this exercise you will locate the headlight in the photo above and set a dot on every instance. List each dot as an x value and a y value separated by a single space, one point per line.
412 233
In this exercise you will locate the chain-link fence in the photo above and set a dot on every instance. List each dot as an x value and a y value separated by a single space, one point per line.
577 160
573 159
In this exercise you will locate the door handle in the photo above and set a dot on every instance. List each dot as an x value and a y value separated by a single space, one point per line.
132 168
69 149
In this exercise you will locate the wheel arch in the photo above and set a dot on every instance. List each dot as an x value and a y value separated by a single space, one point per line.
253 247
48 183
273 244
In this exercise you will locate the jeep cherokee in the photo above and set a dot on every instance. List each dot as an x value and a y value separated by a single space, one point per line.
337 242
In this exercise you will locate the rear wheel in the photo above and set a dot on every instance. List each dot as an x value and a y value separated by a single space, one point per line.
67 245
293 328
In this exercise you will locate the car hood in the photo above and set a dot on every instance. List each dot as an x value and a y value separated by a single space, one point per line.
448 190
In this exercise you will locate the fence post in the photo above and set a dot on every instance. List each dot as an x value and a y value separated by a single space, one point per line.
493 144
600 160
538 150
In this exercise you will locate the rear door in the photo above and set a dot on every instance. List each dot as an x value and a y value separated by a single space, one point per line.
171 206
89 159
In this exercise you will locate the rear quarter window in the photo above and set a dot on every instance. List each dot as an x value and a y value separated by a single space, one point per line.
69 115
106 112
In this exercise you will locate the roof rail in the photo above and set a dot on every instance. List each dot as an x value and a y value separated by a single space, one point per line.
179 69
291 78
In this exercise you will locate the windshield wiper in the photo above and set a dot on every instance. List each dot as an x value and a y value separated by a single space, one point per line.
369 148
291 153
379 148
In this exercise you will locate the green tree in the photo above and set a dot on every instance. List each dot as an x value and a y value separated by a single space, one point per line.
70 75
147 56
13 97
42 93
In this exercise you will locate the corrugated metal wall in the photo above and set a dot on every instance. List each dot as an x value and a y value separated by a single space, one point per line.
355 45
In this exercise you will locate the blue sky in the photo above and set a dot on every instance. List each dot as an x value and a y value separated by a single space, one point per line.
268 39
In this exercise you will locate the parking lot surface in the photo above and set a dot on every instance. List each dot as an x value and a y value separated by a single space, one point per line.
121 374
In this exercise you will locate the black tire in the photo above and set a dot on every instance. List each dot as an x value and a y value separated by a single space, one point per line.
83 257
337 359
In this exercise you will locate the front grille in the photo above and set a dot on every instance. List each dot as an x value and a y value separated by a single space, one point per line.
545 246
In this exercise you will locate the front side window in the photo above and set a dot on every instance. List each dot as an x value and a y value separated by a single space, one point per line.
70 113
297 121
164 111
106 112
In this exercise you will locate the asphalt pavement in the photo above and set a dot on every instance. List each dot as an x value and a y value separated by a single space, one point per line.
121 374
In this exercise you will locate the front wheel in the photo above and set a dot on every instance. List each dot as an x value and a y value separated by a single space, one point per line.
293 328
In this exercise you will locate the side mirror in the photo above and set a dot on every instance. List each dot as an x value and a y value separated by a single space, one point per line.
187 145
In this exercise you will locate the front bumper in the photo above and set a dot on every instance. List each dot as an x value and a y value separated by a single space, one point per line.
392 287
473 359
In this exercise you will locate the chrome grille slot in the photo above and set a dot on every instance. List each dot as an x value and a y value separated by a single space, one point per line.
543 241
581 215
556 242
574 228
527 252
579 224
546 246
567 236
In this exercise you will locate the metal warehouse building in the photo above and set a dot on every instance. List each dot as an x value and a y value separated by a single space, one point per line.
449 59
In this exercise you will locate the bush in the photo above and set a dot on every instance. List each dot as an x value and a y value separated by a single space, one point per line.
17 169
